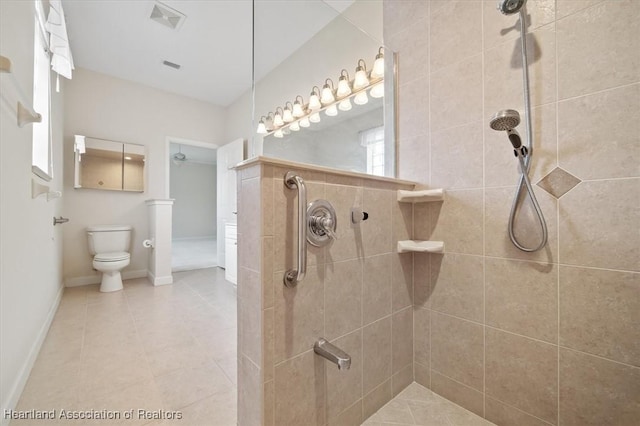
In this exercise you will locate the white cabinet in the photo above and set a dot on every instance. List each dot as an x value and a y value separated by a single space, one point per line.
231 249
228 156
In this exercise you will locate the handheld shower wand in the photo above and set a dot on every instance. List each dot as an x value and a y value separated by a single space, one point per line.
506 121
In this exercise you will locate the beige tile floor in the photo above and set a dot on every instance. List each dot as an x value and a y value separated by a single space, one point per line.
193 253
417 405
153 348
164 349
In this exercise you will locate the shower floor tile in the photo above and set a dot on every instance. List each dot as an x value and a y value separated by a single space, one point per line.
417 405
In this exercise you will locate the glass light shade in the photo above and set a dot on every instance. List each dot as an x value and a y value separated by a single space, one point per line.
361 98
297 109
345 105
278 133
314 102
277 120
327 95
378 67
361 80
304 122
262 129
286 131
377 91
332 111
287 116
314 118
343 88
295 126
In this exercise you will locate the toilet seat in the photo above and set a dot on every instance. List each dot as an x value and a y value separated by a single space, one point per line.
112 257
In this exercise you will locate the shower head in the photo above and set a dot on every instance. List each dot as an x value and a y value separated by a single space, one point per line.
506 120
509 7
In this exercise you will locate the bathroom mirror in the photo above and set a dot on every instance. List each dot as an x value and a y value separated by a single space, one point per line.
108 165
327 45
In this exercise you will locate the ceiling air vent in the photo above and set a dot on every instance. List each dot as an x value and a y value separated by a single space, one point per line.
172 65
167 16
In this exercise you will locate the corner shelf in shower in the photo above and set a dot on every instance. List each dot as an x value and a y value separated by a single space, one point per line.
424 196
420 246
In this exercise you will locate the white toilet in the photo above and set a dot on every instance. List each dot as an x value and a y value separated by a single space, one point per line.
109 245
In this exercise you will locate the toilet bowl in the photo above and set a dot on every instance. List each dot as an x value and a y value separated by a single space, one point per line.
109 244
110 264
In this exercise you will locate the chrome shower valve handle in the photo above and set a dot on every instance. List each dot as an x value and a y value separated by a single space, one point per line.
316 225
322 223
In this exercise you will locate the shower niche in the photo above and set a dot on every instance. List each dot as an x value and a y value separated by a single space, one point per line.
108 165
420 196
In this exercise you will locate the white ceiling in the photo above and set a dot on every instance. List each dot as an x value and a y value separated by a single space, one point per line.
213 45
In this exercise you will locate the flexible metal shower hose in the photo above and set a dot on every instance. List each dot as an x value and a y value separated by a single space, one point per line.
525 162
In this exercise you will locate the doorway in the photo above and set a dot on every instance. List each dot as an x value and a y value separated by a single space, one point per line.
193 186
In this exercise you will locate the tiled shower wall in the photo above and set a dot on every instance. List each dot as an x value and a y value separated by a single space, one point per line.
357 294
525 339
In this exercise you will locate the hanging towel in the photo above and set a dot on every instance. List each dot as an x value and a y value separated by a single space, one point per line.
61 59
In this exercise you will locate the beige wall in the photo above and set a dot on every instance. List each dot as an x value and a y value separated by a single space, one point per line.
544 338
110 108
357 294
30 246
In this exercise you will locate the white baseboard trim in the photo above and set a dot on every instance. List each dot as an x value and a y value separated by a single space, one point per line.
23 375
160 280
95 279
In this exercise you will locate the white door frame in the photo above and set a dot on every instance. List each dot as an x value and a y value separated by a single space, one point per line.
167 157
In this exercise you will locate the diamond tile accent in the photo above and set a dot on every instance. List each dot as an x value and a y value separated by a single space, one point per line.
558 182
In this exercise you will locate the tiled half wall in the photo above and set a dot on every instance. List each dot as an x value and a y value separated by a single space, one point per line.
357 294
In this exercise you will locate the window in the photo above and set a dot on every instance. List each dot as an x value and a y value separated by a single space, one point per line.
41 154
373 140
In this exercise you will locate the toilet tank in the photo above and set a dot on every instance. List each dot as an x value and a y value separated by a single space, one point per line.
109 238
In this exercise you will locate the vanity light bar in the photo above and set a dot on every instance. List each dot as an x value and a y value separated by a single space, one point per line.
300 114
268 130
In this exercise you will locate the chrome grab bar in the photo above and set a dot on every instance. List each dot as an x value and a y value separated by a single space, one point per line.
293 276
